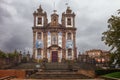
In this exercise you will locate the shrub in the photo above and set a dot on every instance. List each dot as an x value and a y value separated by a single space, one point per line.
106 71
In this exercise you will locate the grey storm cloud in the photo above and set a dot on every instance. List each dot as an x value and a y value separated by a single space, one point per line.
16 21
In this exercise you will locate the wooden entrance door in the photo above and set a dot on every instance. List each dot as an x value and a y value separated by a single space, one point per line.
54 56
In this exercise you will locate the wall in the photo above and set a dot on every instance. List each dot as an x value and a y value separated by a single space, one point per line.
17 73
89 73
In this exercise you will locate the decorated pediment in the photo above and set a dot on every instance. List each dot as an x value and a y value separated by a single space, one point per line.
54 19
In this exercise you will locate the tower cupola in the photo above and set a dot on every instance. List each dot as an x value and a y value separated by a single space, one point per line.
40 18
68 18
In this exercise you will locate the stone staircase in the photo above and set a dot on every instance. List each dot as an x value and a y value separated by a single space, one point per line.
56 66
26 66
58 71
58 75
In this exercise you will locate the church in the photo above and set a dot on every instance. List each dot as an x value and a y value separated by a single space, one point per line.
54 41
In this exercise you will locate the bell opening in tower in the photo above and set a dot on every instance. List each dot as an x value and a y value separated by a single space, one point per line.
69 21
39 21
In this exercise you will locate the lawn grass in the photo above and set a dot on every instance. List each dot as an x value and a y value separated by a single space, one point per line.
113 75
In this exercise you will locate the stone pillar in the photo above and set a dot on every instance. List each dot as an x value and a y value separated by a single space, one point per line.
28 57
20 57
74 47
45 44
64 45
34 40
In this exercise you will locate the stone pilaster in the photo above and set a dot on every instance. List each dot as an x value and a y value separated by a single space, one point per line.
34 40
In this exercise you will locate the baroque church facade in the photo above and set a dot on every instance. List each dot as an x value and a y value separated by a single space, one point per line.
54 41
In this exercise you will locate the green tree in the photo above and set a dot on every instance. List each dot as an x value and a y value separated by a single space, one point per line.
111 37
2 54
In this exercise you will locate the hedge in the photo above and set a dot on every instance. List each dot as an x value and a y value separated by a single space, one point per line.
106 71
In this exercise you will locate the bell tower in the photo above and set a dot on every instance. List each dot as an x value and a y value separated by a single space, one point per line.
68 18
40 18
40 22
68 21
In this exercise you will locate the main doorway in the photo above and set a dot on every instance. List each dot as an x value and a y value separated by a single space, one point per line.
54 56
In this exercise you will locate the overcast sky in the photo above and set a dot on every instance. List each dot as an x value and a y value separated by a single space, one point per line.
16 21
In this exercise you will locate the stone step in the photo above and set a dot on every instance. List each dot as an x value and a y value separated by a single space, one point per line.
57 79
58 75
61 76
57 72
56 66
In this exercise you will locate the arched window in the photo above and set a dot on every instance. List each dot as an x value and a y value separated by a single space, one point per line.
68 21
54 39
69 52
39 21
39 52
39 35
69 36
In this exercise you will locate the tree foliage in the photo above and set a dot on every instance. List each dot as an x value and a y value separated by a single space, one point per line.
9 55
111 37
2 54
